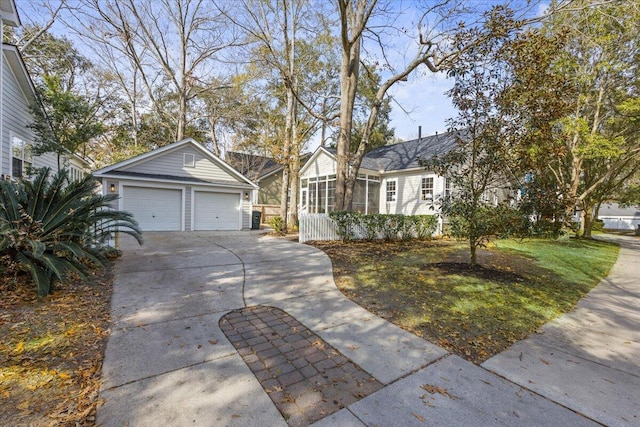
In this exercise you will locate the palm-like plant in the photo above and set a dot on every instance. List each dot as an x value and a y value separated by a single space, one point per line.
51 226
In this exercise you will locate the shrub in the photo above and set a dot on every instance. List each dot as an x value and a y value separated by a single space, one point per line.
346 223
425 226
373 225
52 227
598 225
277 223
386 226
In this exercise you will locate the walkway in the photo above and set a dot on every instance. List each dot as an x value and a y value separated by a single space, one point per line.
169 363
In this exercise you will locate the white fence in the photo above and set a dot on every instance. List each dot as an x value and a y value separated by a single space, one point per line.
317 227
321 227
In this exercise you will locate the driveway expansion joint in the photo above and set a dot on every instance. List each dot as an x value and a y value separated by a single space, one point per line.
305 377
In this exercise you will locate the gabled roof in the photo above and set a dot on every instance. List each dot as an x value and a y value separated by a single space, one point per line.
252 166
407 155
403 155
255 167
114 169
14 59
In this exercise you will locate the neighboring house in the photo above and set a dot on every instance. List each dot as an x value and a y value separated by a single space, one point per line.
180 187
618 218
78 166
390 179
262 170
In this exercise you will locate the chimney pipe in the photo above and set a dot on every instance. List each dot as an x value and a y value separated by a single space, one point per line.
419 133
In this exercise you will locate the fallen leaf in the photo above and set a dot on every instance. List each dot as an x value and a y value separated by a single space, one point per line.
546 362
19 348
419 417
435 389
235 416
213 342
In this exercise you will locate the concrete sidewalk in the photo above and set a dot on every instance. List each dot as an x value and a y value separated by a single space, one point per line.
588 360
168 362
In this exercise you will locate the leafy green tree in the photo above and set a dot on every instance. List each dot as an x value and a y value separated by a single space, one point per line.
589 144
52 226
66 121
46 54
479 170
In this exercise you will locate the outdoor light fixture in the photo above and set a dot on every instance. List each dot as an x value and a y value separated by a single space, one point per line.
112 188
246 195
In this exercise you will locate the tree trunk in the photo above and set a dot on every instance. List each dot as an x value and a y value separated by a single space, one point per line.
349 74
182 117
587 222
472 252
295 178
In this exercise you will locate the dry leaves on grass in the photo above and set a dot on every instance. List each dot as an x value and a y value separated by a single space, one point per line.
52 350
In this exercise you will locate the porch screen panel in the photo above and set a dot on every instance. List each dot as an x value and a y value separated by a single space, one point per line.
373 199
331 196
359 196
313 198
322 197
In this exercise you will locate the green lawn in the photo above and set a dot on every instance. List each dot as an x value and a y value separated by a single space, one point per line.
427 288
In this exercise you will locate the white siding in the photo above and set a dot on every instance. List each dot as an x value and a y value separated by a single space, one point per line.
16 118
323 165
247 207
171 163
408 194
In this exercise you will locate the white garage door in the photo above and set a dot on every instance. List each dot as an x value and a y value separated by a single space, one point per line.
155 209
216 211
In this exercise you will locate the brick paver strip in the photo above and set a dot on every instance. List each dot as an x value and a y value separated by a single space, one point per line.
305 377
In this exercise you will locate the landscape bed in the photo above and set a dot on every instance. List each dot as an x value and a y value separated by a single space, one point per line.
428 288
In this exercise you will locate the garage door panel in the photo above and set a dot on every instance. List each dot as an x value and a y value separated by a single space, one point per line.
216 211
155 209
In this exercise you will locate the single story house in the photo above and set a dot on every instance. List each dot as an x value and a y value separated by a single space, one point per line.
181 187
390 179
619 218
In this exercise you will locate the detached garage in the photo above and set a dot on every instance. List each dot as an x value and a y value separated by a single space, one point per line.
180 187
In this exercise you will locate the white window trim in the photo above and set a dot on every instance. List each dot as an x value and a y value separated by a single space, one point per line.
24 140
433 188
395 190
189 160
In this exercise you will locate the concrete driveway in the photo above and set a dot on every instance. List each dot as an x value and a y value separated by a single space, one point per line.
169 363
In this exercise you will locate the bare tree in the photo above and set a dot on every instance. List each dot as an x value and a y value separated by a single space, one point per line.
276 26
168 44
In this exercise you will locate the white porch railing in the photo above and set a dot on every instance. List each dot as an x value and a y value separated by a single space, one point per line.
316 227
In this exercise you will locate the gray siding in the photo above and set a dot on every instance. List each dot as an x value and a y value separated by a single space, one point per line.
16 118
171 163
246 212
270 187
188 206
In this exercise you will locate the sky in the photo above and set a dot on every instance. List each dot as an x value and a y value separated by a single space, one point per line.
420 101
